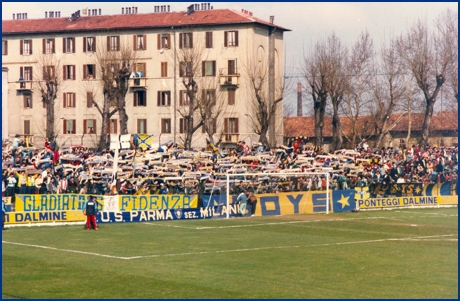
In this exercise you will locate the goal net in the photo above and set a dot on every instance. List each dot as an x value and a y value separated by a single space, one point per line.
279 193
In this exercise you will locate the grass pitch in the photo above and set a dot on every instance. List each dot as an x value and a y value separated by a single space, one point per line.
407 253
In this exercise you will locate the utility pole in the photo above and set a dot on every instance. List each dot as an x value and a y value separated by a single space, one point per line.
271 84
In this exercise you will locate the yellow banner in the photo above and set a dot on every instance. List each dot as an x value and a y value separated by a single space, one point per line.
448 200
402 202
52 202
43 217
291 203
156 202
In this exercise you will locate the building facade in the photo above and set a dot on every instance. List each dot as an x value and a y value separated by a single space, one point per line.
228 43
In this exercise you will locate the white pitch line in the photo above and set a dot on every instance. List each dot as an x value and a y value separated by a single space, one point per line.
420 238
63 250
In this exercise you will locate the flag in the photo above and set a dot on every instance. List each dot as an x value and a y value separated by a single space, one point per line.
143 141
212 147
362 193
343 200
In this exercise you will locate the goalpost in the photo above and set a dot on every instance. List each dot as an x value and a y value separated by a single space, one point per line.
278 182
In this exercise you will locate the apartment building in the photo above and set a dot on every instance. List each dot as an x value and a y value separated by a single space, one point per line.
227 41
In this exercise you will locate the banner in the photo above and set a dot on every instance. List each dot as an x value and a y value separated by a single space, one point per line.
53 202
156 202
343 200
168 214
448 188
44 217
279 203
402 189
399 202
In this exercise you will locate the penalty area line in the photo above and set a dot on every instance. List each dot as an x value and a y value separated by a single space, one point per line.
419 238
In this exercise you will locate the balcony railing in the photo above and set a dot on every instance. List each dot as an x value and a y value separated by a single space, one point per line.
138 82
228 79
231 137
24 85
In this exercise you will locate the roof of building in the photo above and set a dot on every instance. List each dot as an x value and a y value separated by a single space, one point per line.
305 126
130 21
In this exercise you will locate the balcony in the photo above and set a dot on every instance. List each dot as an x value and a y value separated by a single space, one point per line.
229 80
24 86
231 137
138 82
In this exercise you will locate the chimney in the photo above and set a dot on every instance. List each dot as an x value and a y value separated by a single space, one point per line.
14 15
25 15
299 99
250 13
272 19
122 10
168 8
190 9
59 14
100 11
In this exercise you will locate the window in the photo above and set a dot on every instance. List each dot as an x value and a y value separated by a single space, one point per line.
209 39
113 126
69 126
166 126
185 69
142 126
48 72
183 124
231 96
164 69
140 98
89 126
231 67
113 43
89 44
48 46
231 38
231 125
25 73
4 47
208 68
212 126
26 127
69 100
89 99
68 45
140 69
185 40
164 98
69 72
27 100
209 97
184 100
139 42
25 47
163 41
89 71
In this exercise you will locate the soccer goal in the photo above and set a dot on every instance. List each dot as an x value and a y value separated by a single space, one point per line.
305 192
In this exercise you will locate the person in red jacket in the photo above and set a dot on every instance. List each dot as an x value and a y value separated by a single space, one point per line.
90 210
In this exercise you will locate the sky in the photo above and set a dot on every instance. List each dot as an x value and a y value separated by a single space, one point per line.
309 21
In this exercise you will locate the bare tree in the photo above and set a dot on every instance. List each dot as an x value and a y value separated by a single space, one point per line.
388 90
202 102
114 66
428 57
316 71
47 77
361 70
338 83
256 75
447 26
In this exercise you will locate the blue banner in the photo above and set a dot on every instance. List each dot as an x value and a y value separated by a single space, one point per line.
167 214
344 200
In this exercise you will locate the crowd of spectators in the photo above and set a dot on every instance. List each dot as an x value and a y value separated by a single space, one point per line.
171 170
